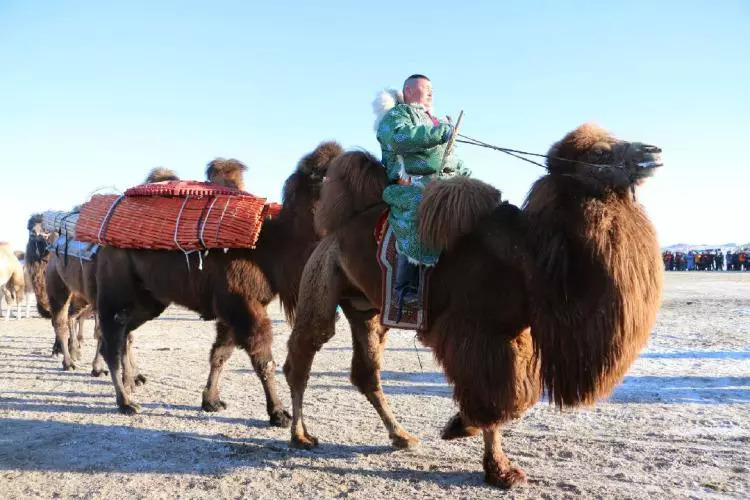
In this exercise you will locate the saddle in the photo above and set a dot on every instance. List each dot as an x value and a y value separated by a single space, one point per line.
392 313
71 248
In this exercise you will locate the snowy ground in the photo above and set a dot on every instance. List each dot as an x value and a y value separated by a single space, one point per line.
678 426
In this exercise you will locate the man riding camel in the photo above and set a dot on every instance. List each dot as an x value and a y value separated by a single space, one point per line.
413 143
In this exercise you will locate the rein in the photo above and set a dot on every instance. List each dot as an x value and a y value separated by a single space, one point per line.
516 153
465 139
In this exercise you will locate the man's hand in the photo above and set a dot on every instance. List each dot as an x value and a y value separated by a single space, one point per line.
448 132
404 182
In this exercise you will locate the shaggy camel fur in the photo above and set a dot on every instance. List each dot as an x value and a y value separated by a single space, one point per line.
561 294
11 281
70 283
233 287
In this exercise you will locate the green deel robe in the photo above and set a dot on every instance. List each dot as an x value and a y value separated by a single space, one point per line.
413 147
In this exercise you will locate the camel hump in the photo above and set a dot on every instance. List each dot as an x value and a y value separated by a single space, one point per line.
354 182
318 160
226 172
451 208
159 174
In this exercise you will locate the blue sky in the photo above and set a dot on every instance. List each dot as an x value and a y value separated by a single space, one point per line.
95 94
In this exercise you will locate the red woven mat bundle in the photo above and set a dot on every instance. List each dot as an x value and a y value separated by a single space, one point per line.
175 215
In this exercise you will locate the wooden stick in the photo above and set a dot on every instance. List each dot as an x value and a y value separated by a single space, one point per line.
449 147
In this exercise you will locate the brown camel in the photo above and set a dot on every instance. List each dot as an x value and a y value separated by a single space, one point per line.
234 287
36 259
559 295
70 287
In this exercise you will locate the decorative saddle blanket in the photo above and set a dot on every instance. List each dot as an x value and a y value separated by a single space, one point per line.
175 215
410 316
65 248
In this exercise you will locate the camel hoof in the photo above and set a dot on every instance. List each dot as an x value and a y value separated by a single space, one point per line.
140 379
99 372
68 366
130 408
281 418
506 479
76 356
306 442
404 441
456 429
213 406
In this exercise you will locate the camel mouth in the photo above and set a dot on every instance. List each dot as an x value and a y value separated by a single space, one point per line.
650 164
651 157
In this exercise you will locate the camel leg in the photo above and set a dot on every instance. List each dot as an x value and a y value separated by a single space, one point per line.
319 292
122 307
8 303
18 306
59 298
28 306
458 428
265 368
117 350
75 325
114 335
79 323
98 367
368 342
221 351
308 336
498 471
74 345
255 335
129 370
132 374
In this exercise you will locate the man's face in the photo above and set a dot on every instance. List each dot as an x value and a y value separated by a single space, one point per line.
420 91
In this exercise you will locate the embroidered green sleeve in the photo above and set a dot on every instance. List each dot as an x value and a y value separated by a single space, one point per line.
398 133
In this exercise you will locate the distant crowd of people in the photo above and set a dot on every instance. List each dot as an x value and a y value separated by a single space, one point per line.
707 260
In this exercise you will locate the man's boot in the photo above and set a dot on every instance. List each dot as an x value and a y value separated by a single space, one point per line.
407 283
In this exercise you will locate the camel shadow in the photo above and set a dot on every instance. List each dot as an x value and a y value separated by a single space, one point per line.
392 349
697 355
389 375
682 390
41 445
42 404
443 478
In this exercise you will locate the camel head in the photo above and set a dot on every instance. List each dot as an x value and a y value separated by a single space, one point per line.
39 239
592 155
